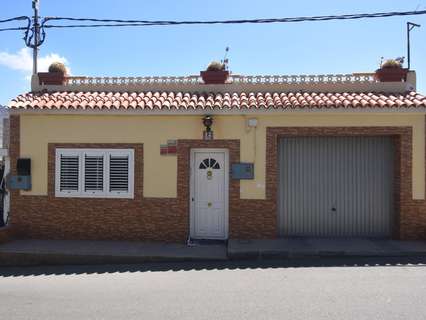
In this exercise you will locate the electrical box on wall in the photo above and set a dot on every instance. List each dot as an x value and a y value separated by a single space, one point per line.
23 167
22 181
19 183
242 171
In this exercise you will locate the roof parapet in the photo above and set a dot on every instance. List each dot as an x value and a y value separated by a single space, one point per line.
356 82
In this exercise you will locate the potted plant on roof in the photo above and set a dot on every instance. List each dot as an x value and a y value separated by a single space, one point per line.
56 75
215 73
391 71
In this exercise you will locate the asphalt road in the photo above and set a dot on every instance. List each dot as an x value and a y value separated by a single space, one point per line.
316 289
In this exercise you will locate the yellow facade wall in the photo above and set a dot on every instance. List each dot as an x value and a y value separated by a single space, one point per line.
160 172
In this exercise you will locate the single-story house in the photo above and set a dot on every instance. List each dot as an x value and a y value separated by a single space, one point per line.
178 158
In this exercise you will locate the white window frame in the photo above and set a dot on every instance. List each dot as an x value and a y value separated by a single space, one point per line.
106 153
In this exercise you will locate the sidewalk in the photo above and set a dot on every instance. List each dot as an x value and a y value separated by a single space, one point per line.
317 247
61 252
39 252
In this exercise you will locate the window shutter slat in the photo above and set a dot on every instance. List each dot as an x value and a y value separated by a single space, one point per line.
93 173
119 174
69 173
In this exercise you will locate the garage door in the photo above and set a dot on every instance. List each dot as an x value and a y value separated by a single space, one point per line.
336 186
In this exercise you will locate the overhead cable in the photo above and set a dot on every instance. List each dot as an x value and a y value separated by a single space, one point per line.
125 23
20 18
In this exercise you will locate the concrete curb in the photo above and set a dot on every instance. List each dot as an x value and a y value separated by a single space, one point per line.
46 252
299 255
56 252
322 248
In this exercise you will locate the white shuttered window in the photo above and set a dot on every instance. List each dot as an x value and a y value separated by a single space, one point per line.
69 166
103 173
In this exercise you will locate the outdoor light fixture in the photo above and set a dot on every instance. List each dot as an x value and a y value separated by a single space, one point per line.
252 123
208 122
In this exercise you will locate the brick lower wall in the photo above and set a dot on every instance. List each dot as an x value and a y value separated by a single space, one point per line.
167 219
6 234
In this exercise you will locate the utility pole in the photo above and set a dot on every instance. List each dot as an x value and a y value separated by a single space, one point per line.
410 26
36 35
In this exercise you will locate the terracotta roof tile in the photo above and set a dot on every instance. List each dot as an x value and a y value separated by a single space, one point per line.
212 101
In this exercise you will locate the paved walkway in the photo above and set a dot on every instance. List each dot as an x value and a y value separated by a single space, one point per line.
39 252
311 247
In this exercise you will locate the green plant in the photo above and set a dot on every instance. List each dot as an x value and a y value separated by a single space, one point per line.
215 66
58 67
392 64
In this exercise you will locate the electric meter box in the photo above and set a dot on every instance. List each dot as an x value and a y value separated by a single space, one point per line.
242 171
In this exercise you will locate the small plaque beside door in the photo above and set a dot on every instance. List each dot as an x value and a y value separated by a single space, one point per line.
242 171
169 149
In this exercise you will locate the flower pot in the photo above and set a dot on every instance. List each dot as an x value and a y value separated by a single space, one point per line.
391 74
55 78
214 77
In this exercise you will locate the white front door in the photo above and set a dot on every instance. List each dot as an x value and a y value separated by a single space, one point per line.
209 193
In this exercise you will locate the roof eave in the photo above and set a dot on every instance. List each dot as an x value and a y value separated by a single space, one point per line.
254 111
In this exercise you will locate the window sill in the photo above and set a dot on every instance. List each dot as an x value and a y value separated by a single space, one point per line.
94 196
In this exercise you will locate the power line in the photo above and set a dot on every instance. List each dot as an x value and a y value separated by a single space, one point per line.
99 25
29 30
15 19
135 23
141 23
13 29
20 18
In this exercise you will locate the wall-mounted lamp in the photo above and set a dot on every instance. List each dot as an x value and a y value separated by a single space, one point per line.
252 123
208 122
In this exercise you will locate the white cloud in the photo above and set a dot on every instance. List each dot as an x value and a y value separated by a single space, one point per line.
23 61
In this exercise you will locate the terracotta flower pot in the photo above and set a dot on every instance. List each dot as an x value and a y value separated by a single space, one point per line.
391 74
214 77
55 78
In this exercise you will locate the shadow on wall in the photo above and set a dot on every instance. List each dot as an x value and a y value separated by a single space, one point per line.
213 265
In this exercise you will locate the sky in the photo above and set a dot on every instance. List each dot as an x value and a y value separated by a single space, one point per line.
296 48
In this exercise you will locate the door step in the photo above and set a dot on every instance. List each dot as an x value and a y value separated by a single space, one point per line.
206 242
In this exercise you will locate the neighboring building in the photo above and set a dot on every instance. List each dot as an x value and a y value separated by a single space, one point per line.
4 138
125 158
4 132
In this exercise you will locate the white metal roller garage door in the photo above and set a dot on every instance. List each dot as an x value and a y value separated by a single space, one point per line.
336 186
